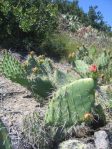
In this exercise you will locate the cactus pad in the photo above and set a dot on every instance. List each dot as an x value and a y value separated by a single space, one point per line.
71 102
13 70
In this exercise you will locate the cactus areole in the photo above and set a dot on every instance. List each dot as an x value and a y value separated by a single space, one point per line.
71 102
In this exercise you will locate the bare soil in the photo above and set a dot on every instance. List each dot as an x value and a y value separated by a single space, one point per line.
15 104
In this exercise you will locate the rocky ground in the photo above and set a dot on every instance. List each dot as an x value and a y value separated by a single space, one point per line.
15 104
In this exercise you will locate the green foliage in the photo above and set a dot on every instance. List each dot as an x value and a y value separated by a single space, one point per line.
39 135
85 57
104 64
59 45
5 142
48 65
71 23
37 74
27 20
92 52
70 103
93 17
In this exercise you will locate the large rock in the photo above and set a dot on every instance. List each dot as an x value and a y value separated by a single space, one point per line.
101 140
75 144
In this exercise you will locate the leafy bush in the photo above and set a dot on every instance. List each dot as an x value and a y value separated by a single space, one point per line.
27 21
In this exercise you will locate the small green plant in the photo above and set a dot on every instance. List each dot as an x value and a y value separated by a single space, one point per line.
103 60
40 135
5 141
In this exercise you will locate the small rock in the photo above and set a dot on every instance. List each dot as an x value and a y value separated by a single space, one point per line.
101 140
75 144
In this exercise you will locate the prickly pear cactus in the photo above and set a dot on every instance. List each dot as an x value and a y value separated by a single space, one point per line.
29 64
44 65
71 102
41 86
13 70
102 60
36 82
48 66
81 67
87 60
82 51
60 78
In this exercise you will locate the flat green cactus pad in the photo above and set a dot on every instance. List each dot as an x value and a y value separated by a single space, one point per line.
13 70
81 66
60 78
41 86
71 102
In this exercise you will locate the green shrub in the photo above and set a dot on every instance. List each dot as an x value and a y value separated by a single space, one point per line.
27 22
59 45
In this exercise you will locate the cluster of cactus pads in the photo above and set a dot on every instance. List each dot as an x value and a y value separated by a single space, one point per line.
86 57
27 74
37 74
71 98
